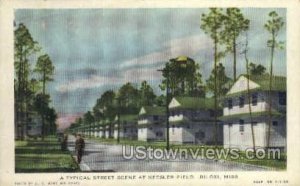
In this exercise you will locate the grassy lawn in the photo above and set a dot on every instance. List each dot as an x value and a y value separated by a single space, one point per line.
42 156
279 164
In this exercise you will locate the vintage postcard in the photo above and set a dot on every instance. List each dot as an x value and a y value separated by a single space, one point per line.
147 92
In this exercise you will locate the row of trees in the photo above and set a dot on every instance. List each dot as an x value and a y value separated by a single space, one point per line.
31 98
225 28
128 99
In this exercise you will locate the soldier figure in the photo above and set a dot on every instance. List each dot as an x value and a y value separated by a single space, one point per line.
79 147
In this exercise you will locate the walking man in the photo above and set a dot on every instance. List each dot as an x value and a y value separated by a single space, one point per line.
79 147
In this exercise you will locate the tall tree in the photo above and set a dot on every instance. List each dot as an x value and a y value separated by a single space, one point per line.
223 81
248 91
88 119
103 108
235 24
41 104
24 47
160 100
146 94
213 25
128 98
273 26
50 118
256 70
183 75
45 68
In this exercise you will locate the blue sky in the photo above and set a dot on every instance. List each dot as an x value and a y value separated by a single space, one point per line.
94 50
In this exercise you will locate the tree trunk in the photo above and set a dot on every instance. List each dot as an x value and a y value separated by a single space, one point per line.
19 98
43 128
215 91
234 58
270 91
43 120
182 87
249 104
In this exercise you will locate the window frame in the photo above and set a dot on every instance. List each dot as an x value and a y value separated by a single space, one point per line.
256 98
273 122
230 103
241 103
282 98
241 125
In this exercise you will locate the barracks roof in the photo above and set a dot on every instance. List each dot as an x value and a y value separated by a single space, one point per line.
149 110
128 117
194 103
278 83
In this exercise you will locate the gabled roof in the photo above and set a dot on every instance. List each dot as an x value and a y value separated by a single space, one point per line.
195 103
152 111
128 117
278 83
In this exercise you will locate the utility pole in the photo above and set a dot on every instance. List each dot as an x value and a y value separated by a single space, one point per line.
167 108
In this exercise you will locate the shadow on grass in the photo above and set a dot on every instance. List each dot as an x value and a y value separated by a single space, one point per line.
39 151
43 156
46 170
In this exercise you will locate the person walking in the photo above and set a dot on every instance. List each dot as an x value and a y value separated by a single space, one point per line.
79 147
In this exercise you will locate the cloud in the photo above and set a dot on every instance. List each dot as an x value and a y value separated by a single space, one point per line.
91 82
134 75
188 46
137 69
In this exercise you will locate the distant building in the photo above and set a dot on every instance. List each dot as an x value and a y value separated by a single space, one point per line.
108 129
236 115
192 121
95 129
128 126
101 130
151 123
34 126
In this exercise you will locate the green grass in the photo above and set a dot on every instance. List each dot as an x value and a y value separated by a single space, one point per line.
279 164
42 156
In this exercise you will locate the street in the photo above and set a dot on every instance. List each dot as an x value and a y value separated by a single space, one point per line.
100 157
